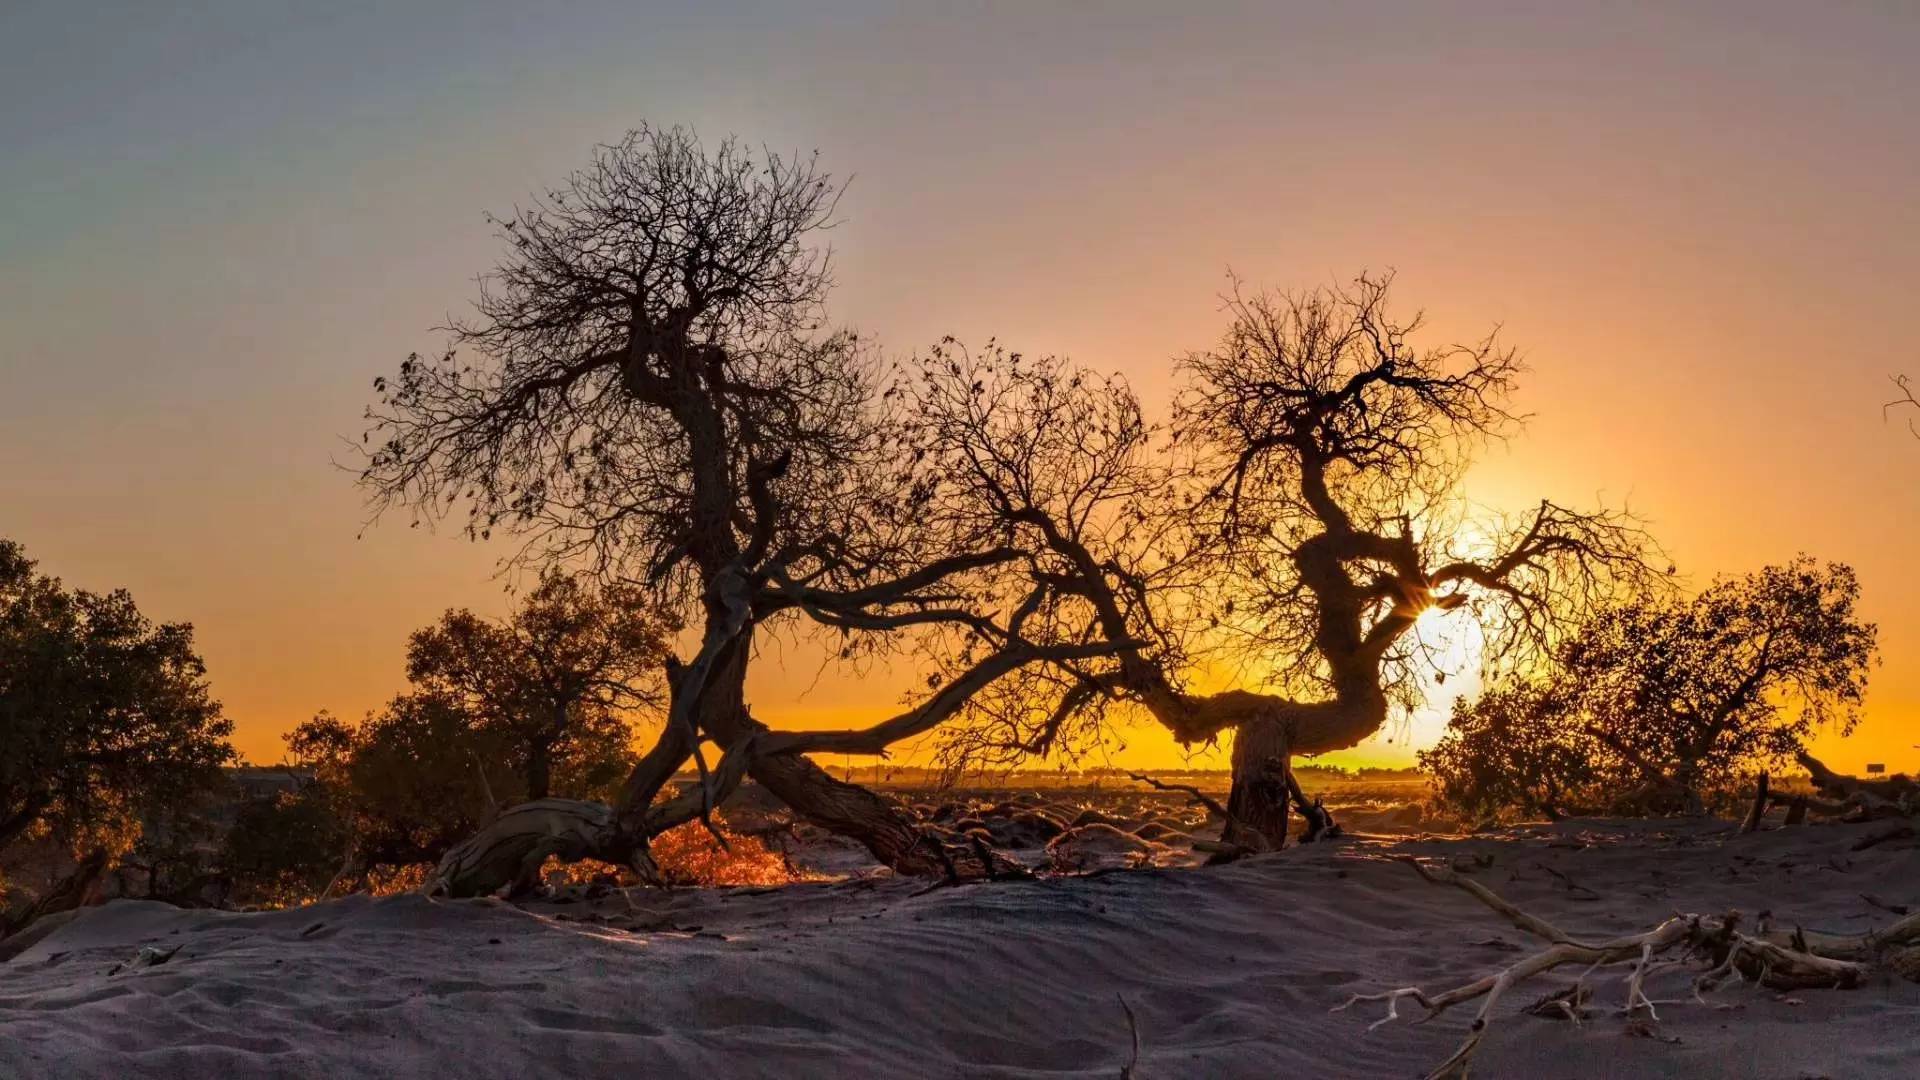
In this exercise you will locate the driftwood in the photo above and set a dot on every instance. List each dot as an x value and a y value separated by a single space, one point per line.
1860 800
1131 1070
1785 960
1839 796
509 852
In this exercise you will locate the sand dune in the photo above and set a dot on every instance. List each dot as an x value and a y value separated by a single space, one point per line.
1230 972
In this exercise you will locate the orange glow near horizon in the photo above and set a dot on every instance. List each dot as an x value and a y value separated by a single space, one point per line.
1698 228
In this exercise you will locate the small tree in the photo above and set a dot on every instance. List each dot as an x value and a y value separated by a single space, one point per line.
387 793
284 849
1688 692
410 780
555 680
1659 702
103 714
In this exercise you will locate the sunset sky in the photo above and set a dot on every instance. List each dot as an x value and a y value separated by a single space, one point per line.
218 223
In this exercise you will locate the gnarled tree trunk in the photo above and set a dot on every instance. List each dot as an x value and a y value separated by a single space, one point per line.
1259 796
842 809
1267 732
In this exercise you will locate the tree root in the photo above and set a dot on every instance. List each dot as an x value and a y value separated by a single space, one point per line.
1320 823
509 851
971 864
1778 959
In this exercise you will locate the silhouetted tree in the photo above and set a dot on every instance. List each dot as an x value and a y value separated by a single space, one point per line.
1665 700
410 780
646 385
103 714
1685 692
175 858
557 678
1313 519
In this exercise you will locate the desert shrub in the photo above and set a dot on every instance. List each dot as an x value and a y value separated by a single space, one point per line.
556 683
1512 749
394 880
688 856
1664 703
392 793
409 781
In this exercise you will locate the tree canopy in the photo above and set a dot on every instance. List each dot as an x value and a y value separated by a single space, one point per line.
1302 509
103 713
559 678
648 385
1661 700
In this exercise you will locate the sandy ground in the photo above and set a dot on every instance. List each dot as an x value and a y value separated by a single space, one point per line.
1229 970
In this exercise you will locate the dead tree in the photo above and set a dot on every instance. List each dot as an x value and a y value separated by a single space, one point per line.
645 388
1892 796
1307 515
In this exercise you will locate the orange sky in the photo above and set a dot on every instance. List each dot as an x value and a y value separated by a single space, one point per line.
217 227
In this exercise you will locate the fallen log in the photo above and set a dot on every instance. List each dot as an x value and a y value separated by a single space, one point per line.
1898 792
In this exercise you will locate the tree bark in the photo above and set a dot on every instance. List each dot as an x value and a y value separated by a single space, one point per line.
1759 811
78 889
852 811
1259 797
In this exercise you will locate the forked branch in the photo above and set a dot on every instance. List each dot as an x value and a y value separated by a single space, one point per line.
1727 952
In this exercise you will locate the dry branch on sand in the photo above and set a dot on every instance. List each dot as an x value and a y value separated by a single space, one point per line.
1846 798
1894 796
1782 960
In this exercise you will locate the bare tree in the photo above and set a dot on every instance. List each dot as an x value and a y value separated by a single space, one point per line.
647 385
1314 520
